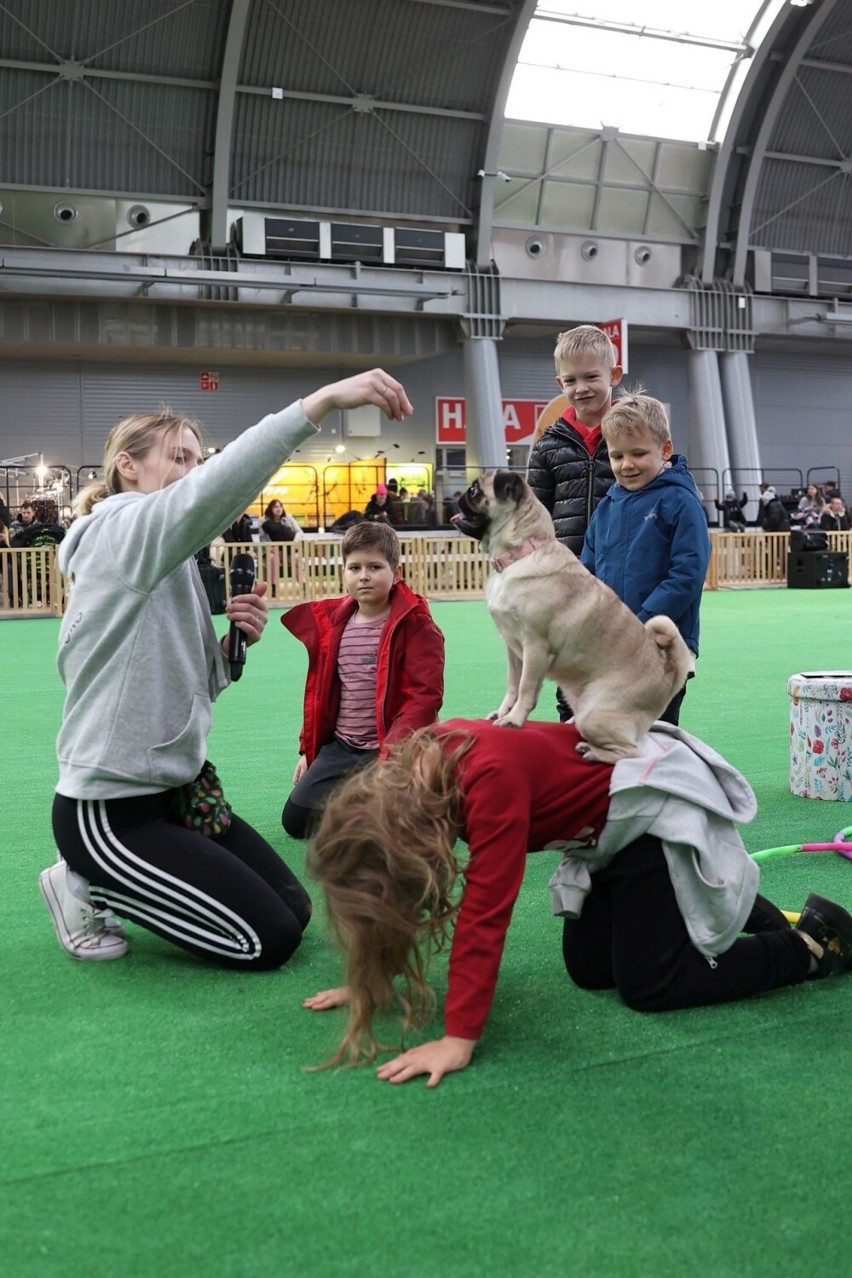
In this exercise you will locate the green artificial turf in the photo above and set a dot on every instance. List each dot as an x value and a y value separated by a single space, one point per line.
158 1120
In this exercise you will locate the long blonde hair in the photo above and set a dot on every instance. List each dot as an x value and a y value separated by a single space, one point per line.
384 855
135 436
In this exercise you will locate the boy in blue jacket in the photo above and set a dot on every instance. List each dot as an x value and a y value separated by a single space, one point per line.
648 538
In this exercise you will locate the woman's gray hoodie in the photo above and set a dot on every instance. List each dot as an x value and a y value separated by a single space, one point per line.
138 654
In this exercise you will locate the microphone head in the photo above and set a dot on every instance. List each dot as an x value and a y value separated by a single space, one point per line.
242 574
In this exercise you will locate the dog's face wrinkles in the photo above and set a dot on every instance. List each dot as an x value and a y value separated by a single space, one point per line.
473 520
488 503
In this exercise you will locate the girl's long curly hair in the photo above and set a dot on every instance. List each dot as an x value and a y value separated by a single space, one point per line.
384 854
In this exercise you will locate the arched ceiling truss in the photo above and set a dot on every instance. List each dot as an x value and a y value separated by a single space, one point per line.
782 182
384 108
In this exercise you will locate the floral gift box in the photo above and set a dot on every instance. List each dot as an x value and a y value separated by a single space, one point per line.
821 734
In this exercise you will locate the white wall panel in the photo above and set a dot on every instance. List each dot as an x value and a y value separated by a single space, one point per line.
40 411
65 410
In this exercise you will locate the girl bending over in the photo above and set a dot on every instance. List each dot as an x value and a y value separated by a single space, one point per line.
633 888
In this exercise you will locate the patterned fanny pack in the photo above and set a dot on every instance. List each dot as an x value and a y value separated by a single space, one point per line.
202 804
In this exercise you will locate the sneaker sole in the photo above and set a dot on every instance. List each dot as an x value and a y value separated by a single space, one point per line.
828 914
834 914
116 949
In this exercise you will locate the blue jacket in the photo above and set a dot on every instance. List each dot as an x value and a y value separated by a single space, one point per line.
652 548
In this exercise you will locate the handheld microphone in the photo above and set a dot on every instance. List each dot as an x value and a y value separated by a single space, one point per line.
242 580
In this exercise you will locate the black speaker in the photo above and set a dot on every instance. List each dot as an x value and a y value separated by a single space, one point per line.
817 569
808 539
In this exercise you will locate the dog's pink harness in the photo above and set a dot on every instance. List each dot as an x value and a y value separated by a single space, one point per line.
520 552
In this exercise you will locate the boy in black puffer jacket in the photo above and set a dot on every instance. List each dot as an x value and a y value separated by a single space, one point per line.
569 468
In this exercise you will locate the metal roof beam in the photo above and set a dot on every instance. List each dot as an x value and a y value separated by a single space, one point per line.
771 110
62 70
217 228
378 104
651 33
502 10
491 153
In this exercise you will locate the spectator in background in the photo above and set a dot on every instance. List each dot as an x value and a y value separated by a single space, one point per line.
277 526
394 504
346 521
241 530
32 534
834 518
732 511
418 509
810 507
451 506
6 571
772 517
376 510
830 489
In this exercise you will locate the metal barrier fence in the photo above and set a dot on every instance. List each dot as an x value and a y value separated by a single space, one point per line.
436 565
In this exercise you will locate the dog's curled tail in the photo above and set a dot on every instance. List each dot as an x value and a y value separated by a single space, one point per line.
676 656
663 631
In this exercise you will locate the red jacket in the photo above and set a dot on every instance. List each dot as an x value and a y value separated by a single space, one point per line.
522 789
409 673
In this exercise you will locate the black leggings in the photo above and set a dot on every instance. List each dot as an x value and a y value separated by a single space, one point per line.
229 899
631 937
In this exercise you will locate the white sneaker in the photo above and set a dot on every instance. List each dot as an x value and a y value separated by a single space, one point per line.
83 931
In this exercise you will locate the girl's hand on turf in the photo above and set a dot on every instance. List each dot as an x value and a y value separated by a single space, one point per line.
436 1059
326 999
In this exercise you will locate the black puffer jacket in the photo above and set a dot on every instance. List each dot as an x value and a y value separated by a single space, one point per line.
568 481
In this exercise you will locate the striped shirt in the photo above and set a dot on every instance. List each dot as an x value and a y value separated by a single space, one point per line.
357 663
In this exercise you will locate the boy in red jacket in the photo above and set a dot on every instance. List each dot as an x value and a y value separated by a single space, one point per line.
375 670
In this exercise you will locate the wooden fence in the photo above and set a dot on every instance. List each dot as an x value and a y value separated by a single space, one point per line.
437 565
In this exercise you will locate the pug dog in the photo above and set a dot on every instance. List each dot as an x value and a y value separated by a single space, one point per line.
559 622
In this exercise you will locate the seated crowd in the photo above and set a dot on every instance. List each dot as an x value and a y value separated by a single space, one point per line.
814 507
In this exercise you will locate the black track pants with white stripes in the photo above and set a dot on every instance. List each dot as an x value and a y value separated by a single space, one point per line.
231 899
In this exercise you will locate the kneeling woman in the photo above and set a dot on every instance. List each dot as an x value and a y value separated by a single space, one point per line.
142 829
656 887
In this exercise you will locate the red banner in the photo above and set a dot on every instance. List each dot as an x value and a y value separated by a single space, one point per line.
209 381
616 331
519 419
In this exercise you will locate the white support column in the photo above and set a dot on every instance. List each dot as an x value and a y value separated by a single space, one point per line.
486 437
709 450
743 447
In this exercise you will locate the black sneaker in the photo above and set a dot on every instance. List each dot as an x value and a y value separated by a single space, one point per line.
831 927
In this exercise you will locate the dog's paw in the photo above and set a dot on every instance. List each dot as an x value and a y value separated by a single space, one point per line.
508 721
605 754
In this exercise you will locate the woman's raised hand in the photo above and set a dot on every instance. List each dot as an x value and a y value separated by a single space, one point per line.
376 387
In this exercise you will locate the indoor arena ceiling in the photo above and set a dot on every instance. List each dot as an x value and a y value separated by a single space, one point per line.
394 109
